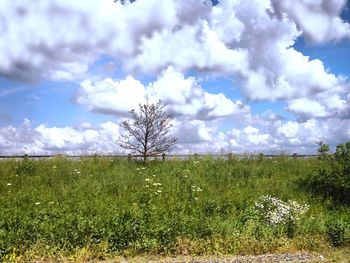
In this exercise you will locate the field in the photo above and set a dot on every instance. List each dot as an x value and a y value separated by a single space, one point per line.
104 208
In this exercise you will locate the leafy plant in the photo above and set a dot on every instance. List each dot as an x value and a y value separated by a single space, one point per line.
336 231
274 211
332 178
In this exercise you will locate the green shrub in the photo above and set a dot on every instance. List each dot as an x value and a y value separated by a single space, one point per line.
332 177
336 231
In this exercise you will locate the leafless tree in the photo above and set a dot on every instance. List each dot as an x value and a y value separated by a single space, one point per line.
147 132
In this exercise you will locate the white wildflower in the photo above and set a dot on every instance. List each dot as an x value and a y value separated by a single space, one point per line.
37 203
275 211
9 184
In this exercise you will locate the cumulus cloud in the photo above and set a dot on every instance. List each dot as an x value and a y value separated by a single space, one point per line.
59 39
111 97
269 136
83 139
332 106
251 41
183 97
241 39
319 20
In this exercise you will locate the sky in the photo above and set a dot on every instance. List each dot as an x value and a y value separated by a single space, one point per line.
252 76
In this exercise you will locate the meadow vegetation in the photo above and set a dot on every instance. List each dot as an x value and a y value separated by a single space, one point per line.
106 207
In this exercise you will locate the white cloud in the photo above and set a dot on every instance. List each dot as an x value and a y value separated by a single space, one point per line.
307 108
111 97
249 139
42 139
271 136
59 39
319 20
241 39
183 97
193 132
251 42
324 105
195 46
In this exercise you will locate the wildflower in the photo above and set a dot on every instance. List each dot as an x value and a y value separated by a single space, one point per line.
275 211
147 180
196 198
159 191
77 172
153 175
9 184
37 203
138 169
54 167
147 185
51 203
143 168
199 190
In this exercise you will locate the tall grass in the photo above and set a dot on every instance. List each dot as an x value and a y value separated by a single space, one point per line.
110 207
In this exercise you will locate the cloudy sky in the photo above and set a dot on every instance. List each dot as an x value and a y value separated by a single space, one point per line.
239 76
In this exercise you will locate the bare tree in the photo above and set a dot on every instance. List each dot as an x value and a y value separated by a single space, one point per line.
147 133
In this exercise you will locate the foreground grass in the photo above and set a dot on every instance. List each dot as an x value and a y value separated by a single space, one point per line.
100 207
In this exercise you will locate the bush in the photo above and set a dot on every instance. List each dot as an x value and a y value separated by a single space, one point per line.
332 178
336 231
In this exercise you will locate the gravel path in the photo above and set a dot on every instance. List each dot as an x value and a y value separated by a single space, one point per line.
287 257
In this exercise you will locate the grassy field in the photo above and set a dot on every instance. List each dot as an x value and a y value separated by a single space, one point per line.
100 207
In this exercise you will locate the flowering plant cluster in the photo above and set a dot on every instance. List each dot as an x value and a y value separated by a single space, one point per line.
274 211
154 186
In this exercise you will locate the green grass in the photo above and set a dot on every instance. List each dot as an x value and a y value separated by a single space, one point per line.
104 207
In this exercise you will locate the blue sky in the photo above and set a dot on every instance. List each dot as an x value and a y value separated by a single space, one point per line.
257 76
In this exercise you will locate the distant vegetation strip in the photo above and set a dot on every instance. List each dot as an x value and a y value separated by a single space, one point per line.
195 155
